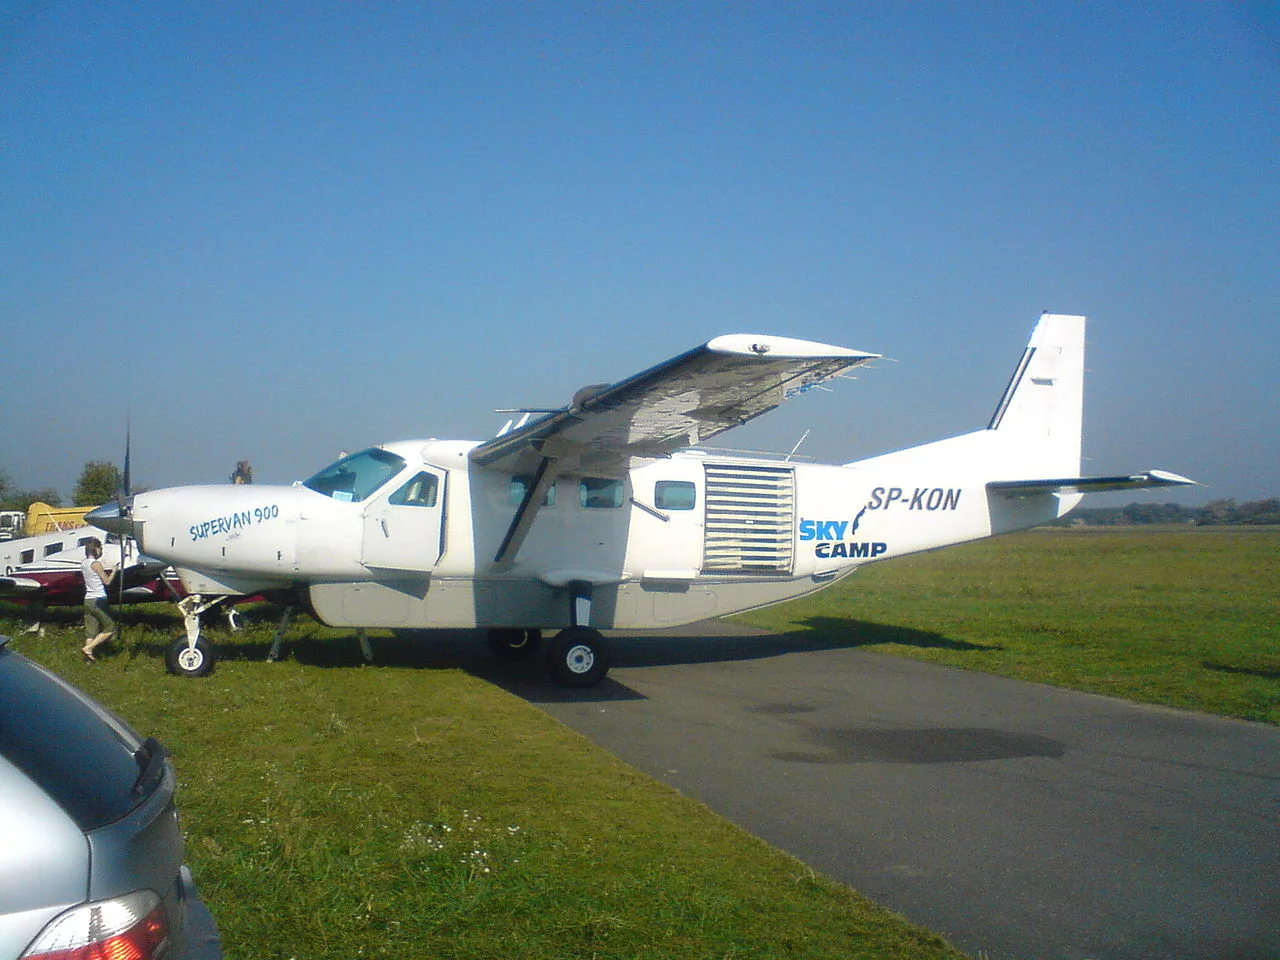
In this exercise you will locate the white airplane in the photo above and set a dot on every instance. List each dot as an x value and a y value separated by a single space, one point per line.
604 514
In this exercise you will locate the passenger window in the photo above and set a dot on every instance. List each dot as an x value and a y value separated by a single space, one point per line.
52 548
421 491
674 495
520 485
28 556
599 493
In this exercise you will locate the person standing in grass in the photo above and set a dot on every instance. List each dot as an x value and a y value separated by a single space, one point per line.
98 625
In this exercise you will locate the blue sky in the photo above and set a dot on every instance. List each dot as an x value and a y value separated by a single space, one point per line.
272 232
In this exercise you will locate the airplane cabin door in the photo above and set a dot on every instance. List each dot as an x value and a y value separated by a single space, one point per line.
405 530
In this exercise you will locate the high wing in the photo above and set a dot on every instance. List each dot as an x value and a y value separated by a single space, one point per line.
1137 481
680 403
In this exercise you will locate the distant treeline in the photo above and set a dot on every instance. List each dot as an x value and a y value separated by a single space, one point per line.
1215 513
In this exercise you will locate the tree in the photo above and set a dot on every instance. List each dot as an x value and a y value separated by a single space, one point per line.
1259 511
13 498
25 498
1218 512
98 483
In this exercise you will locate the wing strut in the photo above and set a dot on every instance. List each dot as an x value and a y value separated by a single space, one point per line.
534 496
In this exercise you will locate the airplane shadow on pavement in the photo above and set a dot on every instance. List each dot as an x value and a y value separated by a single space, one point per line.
708 642
842 632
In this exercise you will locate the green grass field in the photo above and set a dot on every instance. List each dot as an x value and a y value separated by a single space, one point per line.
410 809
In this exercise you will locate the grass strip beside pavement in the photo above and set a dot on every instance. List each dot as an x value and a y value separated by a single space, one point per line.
409 812
1187 616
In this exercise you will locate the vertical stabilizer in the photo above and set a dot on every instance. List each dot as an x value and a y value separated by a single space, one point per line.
1041 411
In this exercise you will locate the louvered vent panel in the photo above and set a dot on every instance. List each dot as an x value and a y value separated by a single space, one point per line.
750 519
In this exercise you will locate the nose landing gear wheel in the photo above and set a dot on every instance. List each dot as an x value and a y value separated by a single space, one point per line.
578 657
184 660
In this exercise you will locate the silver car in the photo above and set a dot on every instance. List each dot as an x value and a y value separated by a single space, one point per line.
90 850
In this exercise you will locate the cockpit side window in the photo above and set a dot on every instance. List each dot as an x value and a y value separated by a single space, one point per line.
422 491
356 477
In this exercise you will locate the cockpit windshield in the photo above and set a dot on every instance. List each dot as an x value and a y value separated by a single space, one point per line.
356 477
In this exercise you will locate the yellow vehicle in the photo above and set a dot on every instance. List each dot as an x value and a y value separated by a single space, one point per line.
42 518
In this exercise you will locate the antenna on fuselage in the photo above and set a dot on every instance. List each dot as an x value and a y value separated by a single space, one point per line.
802 439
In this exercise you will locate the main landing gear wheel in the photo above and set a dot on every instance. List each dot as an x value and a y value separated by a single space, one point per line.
514 643
578 657
185 660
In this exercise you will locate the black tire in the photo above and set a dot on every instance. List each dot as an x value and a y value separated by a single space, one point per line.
183 661
578 657
514 643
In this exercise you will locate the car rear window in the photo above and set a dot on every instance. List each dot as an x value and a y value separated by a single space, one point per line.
79 755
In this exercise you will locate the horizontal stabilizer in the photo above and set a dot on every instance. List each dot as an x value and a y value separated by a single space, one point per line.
19 585
1137 481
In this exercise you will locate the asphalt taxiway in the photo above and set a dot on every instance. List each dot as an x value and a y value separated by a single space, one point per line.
1018 820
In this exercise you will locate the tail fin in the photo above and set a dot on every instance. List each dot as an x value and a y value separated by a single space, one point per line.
1043 405
1035 431
1027 460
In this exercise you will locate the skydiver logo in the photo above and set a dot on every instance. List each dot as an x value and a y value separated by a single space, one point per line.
831 534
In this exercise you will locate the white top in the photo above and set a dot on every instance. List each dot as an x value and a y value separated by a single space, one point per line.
94 588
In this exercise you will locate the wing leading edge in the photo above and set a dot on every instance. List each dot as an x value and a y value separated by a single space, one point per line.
682 402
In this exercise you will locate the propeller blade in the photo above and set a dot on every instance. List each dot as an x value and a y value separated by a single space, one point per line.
128 438
124 504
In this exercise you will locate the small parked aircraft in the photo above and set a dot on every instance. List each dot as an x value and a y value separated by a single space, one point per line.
44 570
605 514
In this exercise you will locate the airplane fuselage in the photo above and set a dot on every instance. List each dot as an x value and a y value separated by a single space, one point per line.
674 541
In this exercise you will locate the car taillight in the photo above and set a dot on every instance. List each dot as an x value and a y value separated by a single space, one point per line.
133 927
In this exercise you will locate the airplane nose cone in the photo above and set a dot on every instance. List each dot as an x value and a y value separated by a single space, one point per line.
110 518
